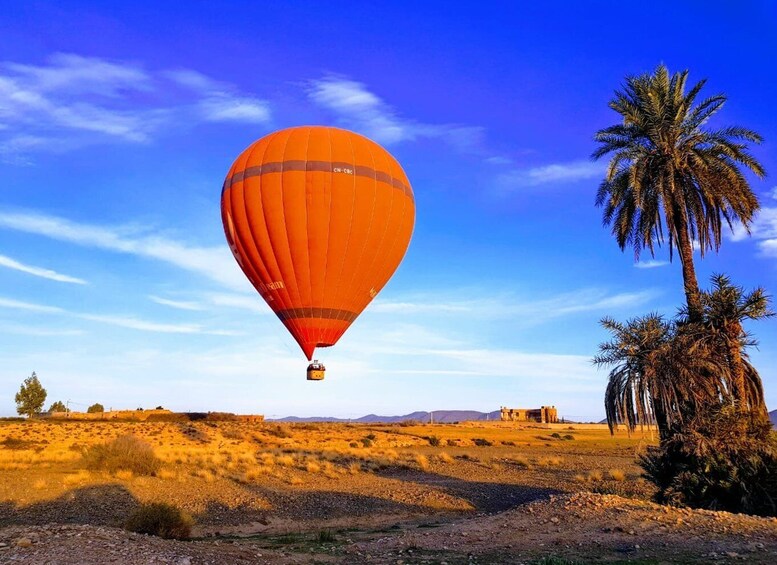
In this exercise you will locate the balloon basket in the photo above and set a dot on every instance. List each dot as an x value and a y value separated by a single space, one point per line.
316 371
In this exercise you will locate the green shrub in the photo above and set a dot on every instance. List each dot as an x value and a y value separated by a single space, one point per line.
482 442
125 453
434 441
326 536
366 442
160 519
95 408
722 461
555 435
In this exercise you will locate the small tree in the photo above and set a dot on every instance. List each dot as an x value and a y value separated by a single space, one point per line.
31 396
95 408
58 406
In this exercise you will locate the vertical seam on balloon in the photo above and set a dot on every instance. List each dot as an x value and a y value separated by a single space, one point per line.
307 224
328 232
347 136
250 228
287 303
405 204
252 243
368 273
349 302
288 243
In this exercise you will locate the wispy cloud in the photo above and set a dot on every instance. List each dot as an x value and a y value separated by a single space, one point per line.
220 101
554 173
16 329
178 304
215 263
29 306
650 264
251 302
358 108
763 231
536 309
70 100
6 261
129 322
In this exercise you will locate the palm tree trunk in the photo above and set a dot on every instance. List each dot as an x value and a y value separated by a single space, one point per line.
691 285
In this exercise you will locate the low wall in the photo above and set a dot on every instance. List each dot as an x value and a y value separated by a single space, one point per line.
138 415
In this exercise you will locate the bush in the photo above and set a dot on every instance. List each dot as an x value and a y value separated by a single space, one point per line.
366 442
160 519
95 408
434 441
481 442
724 461
125 453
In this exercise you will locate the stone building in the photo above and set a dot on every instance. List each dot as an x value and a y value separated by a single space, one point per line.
542 415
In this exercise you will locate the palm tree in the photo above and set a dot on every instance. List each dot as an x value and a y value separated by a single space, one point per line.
634 390
661 372
669 174
725 307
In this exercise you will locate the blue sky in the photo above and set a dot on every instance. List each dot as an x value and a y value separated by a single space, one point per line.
118 125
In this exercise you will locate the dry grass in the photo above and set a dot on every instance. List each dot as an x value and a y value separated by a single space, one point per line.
313 467
224 462
550 461
617 475
519 461
595 476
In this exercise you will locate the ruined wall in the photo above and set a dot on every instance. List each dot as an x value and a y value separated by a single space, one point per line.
542 415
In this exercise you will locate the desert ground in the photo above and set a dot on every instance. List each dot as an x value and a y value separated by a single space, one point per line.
477 492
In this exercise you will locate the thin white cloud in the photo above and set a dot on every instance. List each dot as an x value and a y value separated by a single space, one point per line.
142 325
535 309
178 304
405 307
16 329
358 108
251 302
554 173
220 101
29 306
763 231
71 100
129 322
82 75
215 263
650 264
227 108
6 261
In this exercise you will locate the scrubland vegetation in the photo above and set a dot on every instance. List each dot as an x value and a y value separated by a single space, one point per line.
252 463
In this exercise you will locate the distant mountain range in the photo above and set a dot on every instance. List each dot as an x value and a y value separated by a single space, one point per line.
438 416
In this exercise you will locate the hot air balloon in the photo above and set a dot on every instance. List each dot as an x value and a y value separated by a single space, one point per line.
318 218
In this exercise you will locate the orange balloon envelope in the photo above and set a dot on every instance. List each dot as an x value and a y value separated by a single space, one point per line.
318 218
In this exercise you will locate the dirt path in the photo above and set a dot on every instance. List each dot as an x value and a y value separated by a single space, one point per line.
583 527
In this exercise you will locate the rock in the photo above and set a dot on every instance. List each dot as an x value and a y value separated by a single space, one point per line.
554 520
24 542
